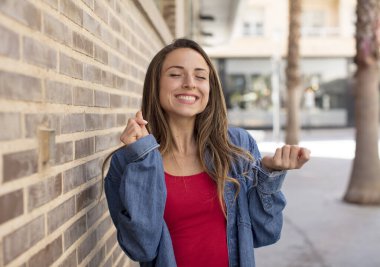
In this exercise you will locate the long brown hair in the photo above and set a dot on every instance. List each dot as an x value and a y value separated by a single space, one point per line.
211 129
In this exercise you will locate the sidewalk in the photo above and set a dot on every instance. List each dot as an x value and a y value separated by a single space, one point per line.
319 229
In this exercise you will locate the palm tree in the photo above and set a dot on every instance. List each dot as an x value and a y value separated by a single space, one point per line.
293 81
364 185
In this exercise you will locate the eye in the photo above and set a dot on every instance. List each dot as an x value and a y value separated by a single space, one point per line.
174 75
201 77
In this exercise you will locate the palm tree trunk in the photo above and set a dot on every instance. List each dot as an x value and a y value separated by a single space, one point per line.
364 185
292 73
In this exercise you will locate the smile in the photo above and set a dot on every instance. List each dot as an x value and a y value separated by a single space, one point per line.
188 99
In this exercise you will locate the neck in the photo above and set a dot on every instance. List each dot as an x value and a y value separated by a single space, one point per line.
183 135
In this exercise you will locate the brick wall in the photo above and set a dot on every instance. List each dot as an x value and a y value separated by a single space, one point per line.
71 73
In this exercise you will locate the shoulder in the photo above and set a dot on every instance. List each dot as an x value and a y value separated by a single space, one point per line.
240 137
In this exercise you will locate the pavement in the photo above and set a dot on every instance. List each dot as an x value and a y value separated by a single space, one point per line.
320 230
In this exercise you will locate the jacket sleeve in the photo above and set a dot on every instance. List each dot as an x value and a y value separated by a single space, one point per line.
136 195
266 201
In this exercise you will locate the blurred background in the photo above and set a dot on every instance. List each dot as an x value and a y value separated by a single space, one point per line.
71 74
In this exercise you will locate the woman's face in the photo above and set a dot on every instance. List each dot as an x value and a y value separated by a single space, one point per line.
184 83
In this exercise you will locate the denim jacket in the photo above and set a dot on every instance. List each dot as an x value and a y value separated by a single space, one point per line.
136 194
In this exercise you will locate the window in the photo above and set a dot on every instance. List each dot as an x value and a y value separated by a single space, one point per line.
253 23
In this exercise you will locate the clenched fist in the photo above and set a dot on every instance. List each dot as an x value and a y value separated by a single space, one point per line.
135 129
287 157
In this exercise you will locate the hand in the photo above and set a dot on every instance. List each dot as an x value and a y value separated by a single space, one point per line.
287 157
135 129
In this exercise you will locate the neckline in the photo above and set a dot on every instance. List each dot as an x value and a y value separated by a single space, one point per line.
184 176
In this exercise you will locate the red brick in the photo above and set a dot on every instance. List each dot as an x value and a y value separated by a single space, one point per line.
22 239
109 120
20 87
91 24
101 54
94 121
13 123
48 254
83 97
83 44
75 231
101 10
9 45
70 261
57 92
120 83
84 147
103 142
103 228
36 53
115 24
44 192
96 213
102 99
108 262
116 254
71 123
121 119
118 101
74 177
61 214
57 30
92 74
52 3
111 241
19 164
33 121
22 11
98 258
92 169
123 48
86 246
87 196
11 205
107 37
63 152
89 3
107 78
70 66
70 10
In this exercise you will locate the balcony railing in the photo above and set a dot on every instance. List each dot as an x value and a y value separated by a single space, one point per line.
320 31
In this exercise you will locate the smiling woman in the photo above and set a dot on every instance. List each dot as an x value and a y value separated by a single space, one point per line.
186 190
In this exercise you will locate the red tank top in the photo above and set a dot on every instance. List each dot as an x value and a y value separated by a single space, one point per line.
195 220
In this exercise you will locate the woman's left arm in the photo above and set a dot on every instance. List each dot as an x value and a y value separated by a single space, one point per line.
266 201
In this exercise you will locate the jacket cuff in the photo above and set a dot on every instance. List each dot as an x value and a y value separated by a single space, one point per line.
269 182
140 148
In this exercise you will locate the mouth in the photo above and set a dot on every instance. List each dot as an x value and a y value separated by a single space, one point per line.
188 99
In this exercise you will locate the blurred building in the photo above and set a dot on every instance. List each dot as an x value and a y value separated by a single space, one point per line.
258 46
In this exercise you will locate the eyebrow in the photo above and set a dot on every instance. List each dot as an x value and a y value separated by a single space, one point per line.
181 67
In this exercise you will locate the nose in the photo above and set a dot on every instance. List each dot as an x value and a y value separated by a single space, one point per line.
188 82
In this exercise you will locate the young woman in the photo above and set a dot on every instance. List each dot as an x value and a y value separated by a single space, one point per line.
186 190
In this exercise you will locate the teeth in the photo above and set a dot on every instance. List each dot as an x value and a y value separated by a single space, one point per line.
186 97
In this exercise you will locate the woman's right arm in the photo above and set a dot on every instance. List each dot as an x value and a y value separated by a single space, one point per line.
136 194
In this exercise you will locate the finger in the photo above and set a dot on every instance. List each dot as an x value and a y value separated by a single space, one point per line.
277 158
285 156
293 158
303 157
141 121
131 133
139 115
